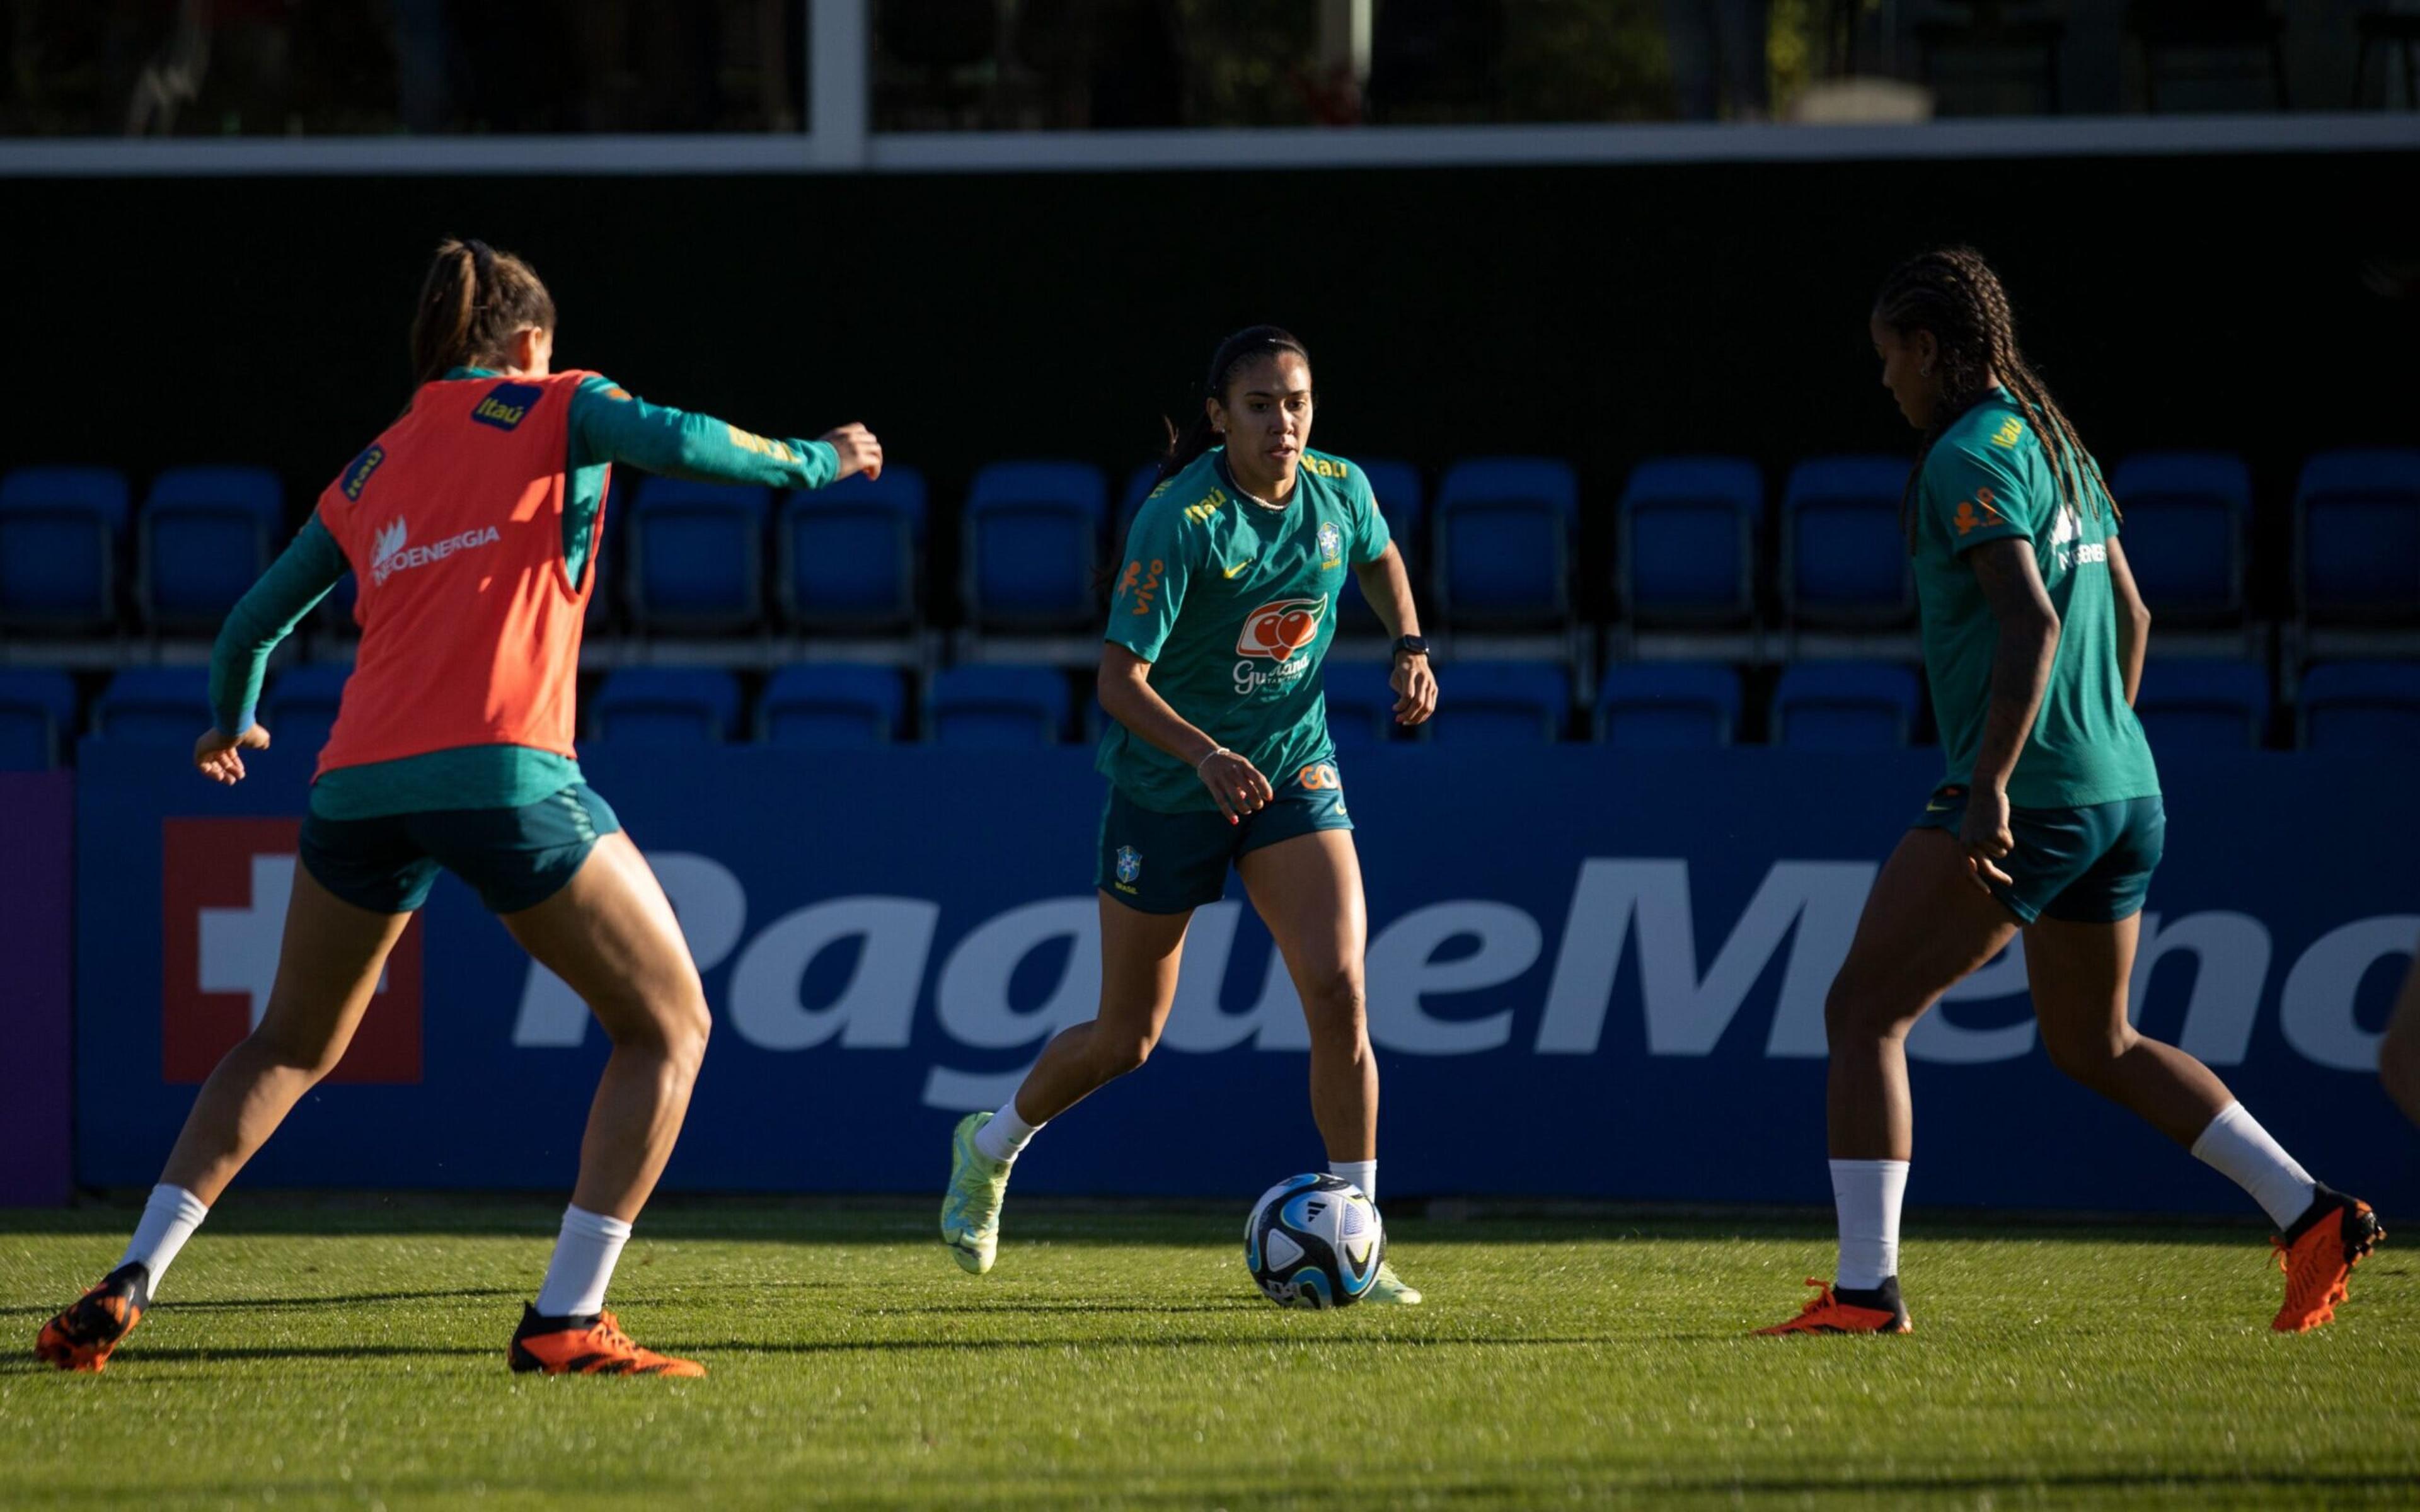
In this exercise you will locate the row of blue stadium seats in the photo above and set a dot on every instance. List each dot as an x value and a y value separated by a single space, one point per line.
1499 541
1847 706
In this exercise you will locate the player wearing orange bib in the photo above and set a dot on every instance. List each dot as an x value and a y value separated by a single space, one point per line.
470 526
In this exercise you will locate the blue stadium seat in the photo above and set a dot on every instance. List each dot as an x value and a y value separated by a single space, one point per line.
60 533
202 539
1668 705
697 556
1503 703
37 718
2197 705
299 707
1843 550
2371 707
2357 528
2184 515
665 706
1360 703
1503 542
847 555
168 705
1031 541
1687 549
828 704
1139 483
1397 486
1845 705
995 706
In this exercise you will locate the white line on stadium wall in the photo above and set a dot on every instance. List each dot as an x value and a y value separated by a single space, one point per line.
1310 148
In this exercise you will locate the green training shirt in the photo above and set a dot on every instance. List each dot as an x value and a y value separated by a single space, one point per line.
608 424
1234 604
1987 478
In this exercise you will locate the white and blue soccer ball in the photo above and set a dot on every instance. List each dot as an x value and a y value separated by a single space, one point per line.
1314 1240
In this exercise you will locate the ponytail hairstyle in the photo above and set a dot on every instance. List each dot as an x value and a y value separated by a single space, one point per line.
473 302
1954 294
1233 353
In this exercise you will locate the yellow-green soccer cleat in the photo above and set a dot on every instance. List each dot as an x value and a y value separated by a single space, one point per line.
1390 1291
971 1208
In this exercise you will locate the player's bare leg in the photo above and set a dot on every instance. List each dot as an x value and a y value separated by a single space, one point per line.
1139 954
328 967
1307 890
611 934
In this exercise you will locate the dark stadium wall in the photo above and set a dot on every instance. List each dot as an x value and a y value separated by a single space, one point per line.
1603 314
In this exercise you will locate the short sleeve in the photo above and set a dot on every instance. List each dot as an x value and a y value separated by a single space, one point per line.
1977 498
1151 583
1370 536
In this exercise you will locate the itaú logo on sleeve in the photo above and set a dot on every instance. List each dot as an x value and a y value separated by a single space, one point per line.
1619 956
223 913
1278 632
391 550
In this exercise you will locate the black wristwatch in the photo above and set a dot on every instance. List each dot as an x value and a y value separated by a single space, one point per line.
1411 645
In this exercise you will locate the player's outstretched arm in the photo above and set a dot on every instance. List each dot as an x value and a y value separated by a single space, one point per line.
616 426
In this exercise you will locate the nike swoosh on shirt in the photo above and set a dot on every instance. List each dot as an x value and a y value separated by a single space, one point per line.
1229 572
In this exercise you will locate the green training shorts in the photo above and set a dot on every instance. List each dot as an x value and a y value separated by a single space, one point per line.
515 858
1156 862
2082 866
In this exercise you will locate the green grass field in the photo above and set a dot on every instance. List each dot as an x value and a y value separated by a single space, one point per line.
350 1352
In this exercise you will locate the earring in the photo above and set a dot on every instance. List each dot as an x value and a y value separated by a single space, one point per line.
1925 371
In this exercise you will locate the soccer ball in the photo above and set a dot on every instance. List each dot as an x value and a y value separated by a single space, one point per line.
1314 1241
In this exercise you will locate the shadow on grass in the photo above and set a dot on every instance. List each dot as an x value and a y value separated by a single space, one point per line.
760 1218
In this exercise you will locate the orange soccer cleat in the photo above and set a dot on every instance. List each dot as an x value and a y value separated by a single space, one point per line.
1878 1311
82 1338
593 1345
2317 1254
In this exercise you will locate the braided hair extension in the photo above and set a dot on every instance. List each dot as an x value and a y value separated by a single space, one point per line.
1953 293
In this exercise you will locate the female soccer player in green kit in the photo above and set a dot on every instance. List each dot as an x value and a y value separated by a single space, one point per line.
2050 820
1218 755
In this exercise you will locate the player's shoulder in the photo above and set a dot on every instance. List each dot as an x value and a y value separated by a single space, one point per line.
1992 438
1188 499
1331 473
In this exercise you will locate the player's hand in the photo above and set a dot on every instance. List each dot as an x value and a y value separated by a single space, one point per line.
859 451
220 756
1415 685
1985 835
1236 784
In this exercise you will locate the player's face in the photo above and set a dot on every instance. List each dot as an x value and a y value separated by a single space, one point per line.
1266 421
1904 359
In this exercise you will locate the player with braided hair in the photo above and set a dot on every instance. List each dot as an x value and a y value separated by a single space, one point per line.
2049 822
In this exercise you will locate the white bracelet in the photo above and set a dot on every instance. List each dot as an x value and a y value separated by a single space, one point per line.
1206 760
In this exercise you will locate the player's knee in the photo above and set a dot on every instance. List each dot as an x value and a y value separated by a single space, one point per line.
315 1054
2086 1055
1857 1009
1337 1003
1115 1055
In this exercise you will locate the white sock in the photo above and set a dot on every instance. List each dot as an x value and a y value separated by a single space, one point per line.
584 1255
169 1219
2240 1149
1006 1134
1866 1194
1362 1173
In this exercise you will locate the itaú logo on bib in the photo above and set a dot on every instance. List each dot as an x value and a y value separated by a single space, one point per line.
390 552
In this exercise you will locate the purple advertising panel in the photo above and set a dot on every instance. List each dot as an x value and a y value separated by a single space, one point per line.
37 826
